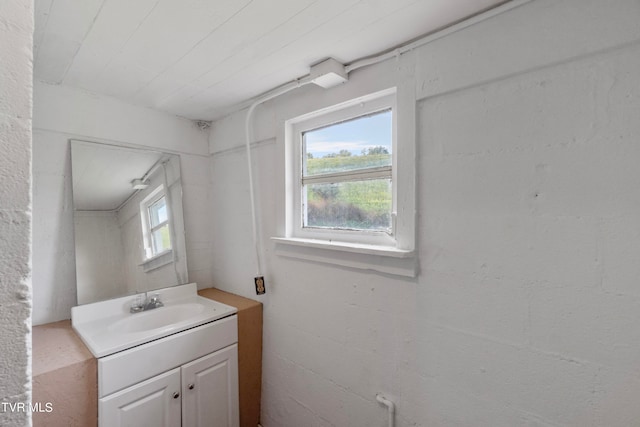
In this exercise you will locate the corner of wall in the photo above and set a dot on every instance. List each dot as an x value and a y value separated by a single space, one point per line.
16 30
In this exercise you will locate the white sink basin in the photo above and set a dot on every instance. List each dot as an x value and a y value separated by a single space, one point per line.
157 318
108 327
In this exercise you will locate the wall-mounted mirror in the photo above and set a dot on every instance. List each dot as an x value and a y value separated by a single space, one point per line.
129 224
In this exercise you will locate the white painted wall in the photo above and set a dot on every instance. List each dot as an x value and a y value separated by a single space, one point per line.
100 260
62 113
526 311
16 51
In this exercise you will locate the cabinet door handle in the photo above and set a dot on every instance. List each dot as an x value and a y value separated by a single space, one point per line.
191 386
176 395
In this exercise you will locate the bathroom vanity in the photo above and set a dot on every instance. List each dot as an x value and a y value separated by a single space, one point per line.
192 380
173 365
65 371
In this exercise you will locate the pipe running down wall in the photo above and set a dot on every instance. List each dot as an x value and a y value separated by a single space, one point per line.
391 408
365 62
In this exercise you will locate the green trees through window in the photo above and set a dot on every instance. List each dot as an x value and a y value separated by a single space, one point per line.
347 174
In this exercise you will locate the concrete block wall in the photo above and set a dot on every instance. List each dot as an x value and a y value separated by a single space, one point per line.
63 113
16 29
526 311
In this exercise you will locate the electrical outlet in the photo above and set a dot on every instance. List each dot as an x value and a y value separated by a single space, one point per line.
260 289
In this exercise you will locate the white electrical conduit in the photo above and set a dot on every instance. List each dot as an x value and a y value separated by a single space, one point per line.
354 66
249 138
437 35
391 407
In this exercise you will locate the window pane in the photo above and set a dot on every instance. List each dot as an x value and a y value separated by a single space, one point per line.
158 212
161 240
359 143
360 205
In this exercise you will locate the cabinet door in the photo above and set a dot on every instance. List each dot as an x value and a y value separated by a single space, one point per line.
151 403
210 390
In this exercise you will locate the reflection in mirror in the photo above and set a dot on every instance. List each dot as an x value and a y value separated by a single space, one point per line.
129 224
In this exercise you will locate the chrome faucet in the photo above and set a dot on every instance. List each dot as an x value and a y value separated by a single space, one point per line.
149 303
153 302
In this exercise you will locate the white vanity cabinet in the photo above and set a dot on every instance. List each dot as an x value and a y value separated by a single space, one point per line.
152 403
189 379
210 390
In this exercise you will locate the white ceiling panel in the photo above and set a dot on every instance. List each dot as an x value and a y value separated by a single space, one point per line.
65 27
203 58
102 174
289 37
121 79
110 33
41 12
238 34
174 29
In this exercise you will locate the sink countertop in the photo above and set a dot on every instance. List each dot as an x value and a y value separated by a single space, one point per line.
94 322
56 346
65 375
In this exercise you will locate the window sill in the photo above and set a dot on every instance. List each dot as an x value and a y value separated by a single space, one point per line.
157 261
382 259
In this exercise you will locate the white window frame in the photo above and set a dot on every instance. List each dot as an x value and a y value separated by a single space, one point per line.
148 229
327 118
360 244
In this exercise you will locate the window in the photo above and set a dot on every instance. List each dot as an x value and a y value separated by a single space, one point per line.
350 180
347 174
155 214
159 226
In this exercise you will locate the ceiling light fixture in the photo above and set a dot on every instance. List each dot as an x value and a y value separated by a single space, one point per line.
138 184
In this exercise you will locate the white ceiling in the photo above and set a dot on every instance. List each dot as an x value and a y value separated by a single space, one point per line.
102 174
201 58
